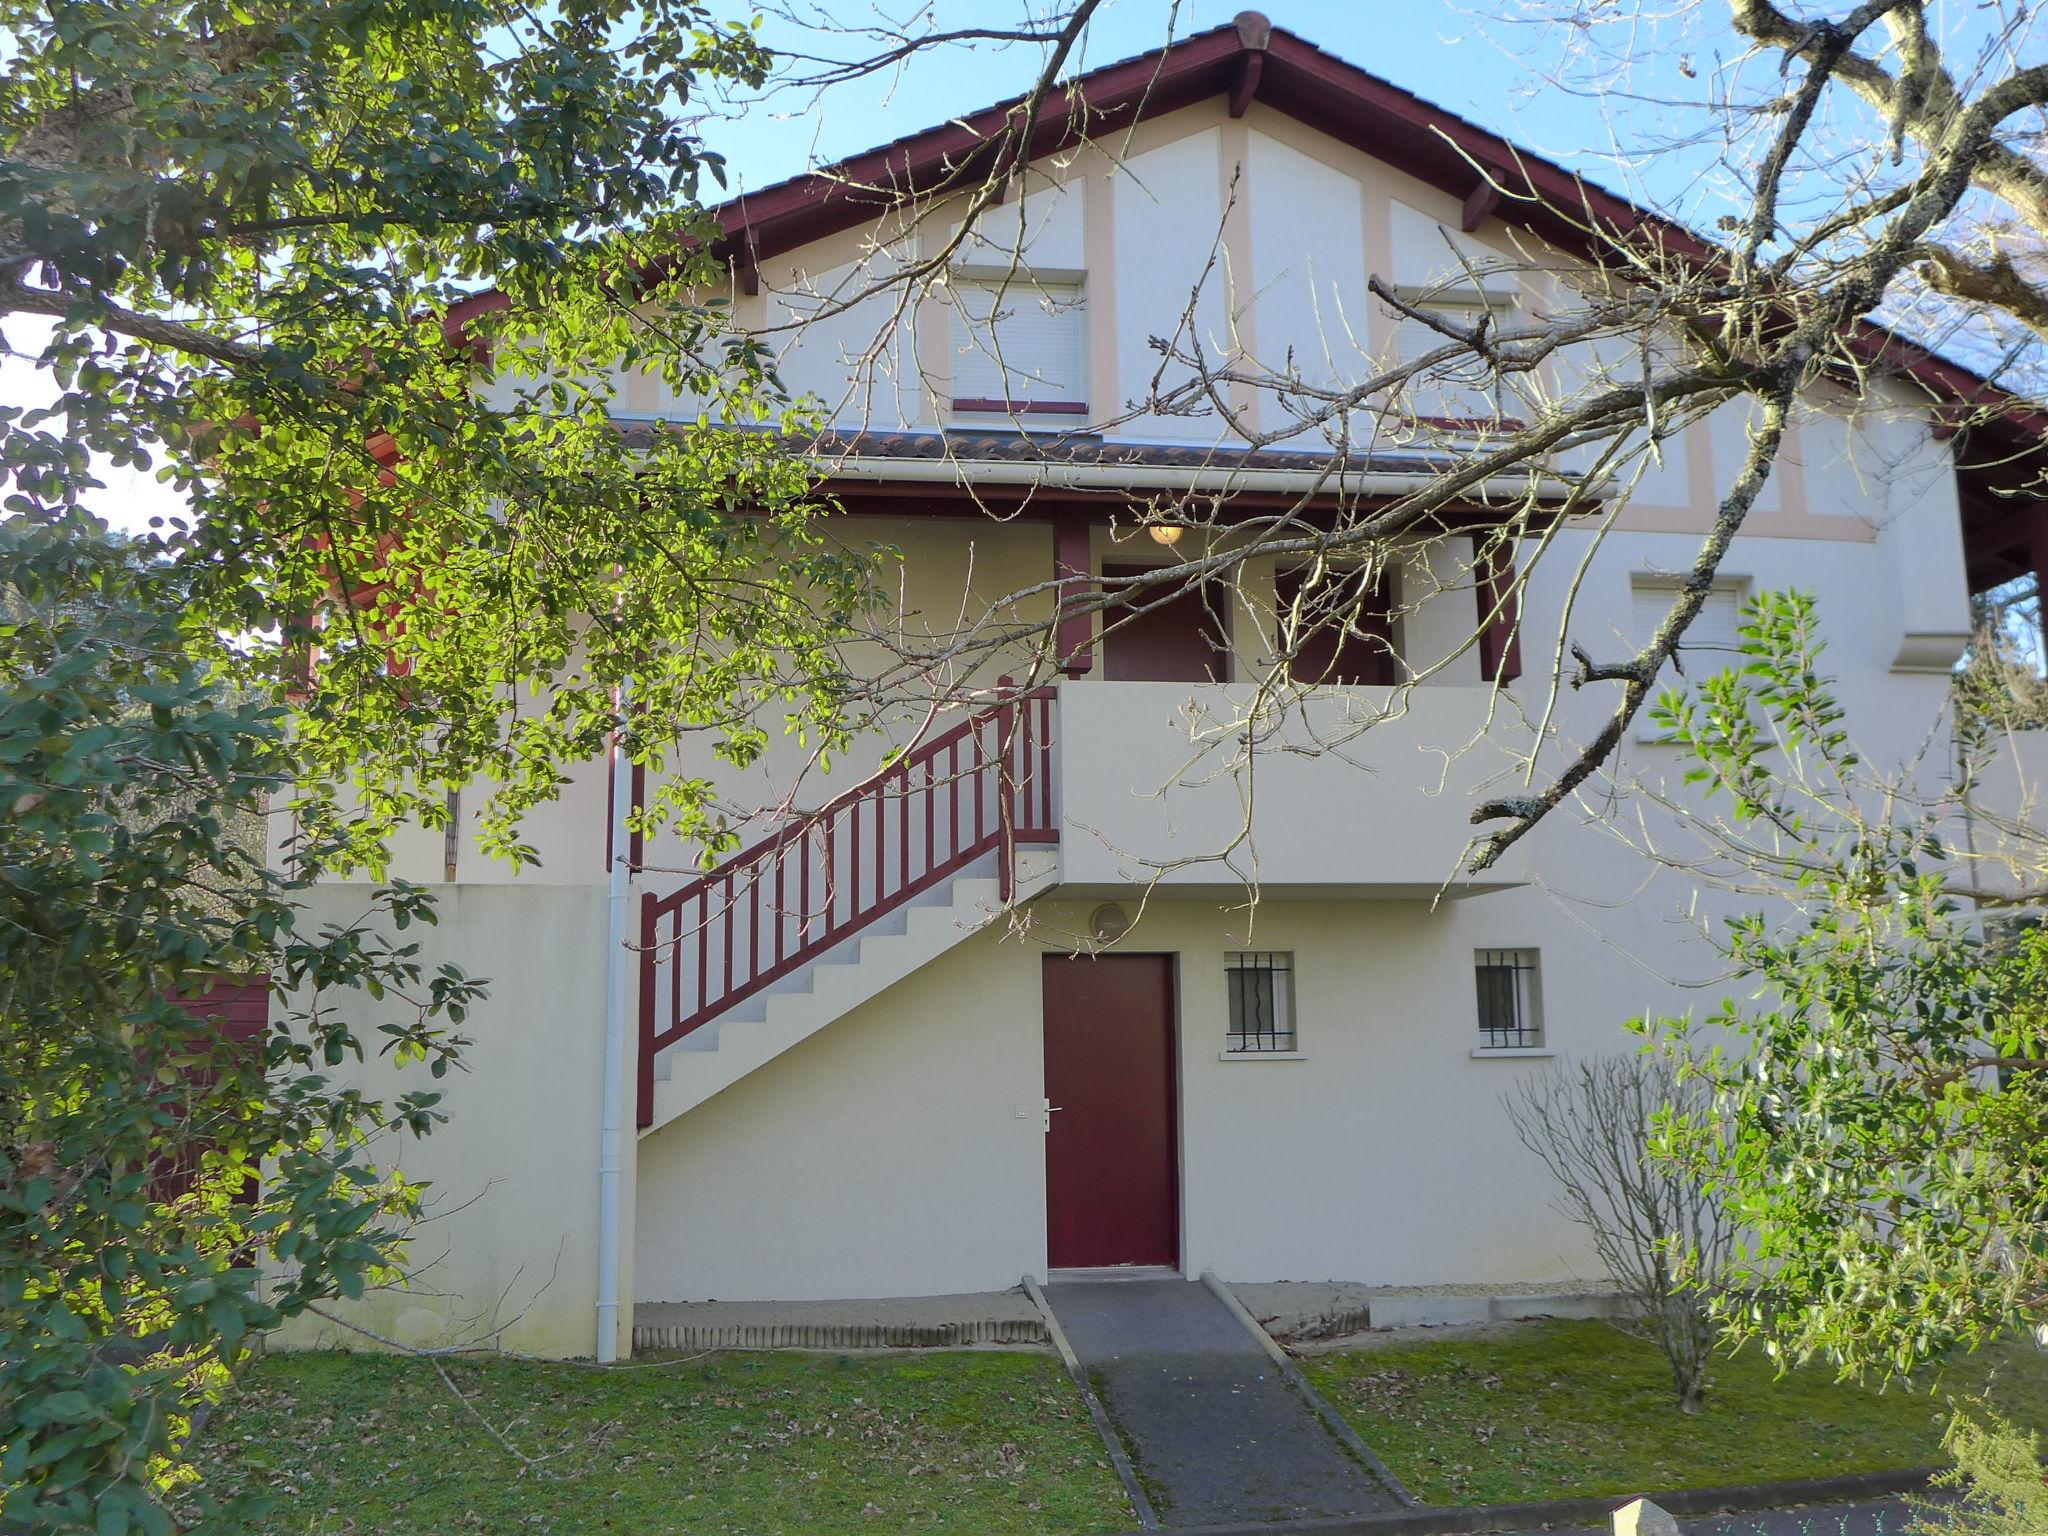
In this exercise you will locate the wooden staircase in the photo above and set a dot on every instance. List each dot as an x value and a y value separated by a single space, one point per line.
832 907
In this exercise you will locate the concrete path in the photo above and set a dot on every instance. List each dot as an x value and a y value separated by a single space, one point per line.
1880 1517
1216 1432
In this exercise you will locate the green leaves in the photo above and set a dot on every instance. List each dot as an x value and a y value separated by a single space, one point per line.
130 875
1886 1076
445 555
335 180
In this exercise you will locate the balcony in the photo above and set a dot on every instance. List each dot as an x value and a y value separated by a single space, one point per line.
1353 792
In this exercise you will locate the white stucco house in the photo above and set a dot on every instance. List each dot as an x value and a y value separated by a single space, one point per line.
1003 1009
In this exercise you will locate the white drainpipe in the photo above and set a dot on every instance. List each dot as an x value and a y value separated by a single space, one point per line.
612 1136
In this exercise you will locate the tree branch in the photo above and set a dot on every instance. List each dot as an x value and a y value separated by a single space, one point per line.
20 299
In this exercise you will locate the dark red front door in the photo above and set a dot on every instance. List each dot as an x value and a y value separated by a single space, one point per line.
1111 1188
1180 640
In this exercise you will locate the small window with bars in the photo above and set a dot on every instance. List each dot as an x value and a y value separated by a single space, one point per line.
1261 1002
1510 1003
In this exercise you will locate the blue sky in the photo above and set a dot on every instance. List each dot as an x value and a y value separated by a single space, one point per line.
1460 55
1471 56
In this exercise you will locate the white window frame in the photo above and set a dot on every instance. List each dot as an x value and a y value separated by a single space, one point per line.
1279 965
1532 1037
1699 659
977 343
1413 339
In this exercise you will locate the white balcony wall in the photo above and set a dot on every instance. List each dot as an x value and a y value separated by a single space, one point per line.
1156 786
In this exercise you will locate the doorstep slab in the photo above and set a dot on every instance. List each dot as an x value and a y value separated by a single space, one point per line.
892 1322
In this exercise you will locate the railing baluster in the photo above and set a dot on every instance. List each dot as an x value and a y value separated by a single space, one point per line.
853 863
903 823
1045 762
781 863
1006 797
725 977
1021 806
980 773
703 945
931 854
753 924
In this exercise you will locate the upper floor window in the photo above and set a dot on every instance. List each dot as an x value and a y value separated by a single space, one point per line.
1337 625
1715 634
1711 643
1461 391
1017 345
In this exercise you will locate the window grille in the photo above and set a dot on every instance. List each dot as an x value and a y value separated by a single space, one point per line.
1261 1001
1510 1015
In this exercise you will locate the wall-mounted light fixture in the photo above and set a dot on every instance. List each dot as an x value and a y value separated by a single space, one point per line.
1167 534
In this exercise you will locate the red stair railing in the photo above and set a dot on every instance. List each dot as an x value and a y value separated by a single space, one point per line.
983 786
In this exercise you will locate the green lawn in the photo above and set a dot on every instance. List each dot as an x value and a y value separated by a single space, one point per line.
740 1443
1553 1410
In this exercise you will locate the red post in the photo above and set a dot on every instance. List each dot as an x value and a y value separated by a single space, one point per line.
727 901
1045 729
781 861
703 946
1500 641
803 893
1006 789
1073 561
952 798
643 1089
980 758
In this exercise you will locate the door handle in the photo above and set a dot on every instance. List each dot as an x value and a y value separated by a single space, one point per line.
1051 1109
